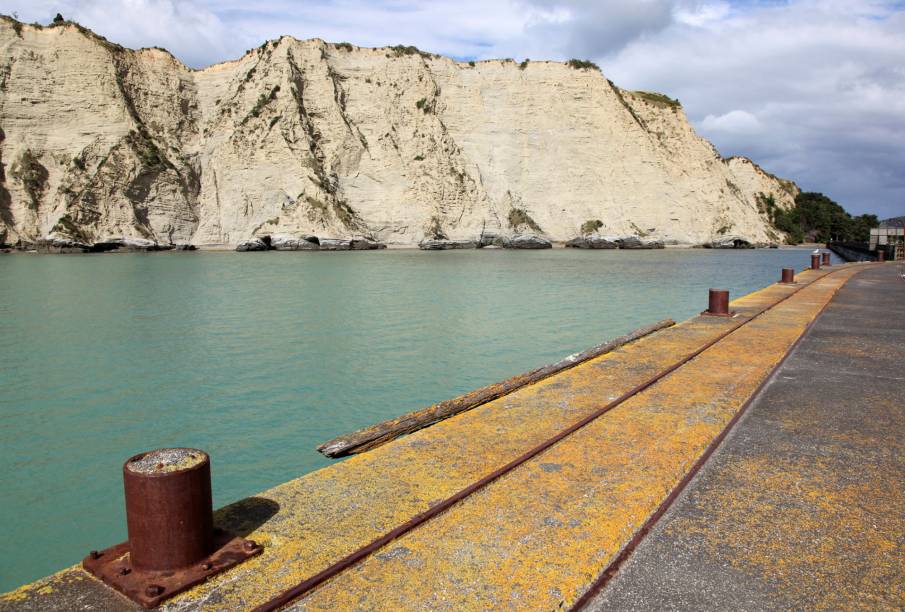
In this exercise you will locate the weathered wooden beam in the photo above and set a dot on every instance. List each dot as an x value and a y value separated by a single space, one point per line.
381 433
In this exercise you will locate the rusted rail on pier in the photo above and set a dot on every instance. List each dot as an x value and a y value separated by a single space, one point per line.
350 560
613 567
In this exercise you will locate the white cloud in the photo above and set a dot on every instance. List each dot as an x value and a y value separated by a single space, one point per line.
733 122
189 29
812 89
701 15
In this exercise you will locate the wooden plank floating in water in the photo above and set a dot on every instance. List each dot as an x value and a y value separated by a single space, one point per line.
381 433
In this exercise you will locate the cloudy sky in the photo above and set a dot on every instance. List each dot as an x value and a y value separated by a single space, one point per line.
813 90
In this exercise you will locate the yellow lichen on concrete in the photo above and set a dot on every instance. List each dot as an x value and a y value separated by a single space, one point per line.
536 538
329 513
43 587
540 535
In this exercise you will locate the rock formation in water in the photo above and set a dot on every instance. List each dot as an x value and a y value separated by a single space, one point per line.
101 143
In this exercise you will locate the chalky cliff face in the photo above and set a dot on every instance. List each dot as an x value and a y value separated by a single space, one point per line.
307 137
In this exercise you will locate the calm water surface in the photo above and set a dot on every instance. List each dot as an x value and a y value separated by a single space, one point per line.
258 357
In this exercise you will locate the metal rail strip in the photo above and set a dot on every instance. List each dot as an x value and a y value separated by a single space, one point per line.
307 585
612 568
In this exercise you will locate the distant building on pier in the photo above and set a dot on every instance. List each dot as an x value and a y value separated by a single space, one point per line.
890 236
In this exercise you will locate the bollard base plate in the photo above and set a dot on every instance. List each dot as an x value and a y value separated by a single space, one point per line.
148 588
729 314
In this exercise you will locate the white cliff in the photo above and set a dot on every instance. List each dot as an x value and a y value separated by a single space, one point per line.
310 138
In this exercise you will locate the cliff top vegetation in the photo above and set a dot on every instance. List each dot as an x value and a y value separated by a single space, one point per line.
578 64
657 98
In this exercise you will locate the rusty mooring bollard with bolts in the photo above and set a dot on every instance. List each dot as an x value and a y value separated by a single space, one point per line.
881 255
166 489
826 259
718 304
172 543
788 276
815 261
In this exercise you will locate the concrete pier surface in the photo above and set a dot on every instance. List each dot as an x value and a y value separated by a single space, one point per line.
541 535
803 505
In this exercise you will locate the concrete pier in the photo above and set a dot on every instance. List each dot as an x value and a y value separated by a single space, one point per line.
542 534
803 505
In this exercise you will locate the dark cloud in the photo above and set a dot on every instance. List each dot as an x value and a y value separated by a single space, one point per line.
594 28
811 90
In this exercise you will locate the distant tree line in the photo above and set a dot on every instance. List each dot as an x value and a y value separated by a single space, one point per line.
817 218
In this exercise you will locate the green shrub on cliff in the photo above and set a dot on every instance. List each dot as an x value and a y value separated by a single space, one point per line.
824 220
425 106
658 99
400 50
519 217
591 226
578 64
816 218
152 158
33 175
263 100
782 220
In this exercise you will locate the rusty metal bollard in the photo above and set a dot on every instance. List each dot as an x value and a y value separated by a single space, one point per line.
815 261
718 303
826 259
172 542
169 510
881 255
788 276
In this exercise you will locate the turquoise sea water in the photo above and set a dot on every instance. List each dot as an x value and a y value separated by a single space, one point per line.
256 358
